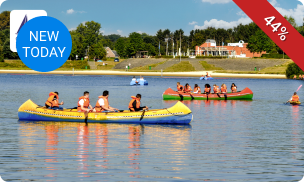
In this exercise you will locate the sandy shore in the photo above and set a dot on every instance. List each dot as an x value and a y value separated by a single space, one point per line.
181 74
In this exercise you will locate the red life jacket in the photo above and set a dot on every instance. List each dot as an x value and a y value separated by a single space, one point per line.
98 107
216 89
86 103
188 89
180 88
131 103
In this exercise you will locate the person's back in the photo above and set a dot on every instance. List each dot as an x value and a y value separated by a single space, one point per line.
295 97
84 103
102 104
53 101
134 104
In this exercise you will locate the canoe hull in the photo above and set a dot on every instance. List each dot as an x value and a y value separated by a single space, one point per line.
245 94
295 103
178 114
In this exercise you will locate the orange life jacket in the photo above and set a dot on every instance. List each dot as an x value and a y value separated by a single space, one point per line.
51 102
224 89
207 90
188 89
197 89
180 88
233 89
131 103
295 98
216 89
98 107
86 103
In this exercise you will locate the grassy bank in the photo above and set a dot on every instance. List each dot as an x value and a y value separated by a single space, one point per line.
183 66
209 67
278 69
146 68
109 64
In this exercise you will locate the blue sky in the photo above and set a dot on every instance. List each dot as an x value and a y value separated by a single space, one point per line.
126 16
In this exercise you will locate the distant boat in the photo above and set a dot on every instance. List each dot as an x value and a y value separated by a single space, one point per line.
23 22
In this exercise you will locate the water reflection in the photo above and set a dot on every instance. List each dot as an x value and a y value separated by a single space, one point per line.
86 147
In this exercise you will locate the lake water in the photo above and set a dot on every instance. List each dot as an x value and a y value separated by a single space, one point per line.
259 140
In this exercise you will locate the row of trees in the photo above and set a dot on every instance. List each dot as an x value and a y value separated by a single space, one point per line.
88 40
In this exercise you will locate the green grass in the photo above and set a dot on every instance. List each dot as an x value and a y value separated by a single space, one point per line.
110 64
278 69
146 68
181 67
209 67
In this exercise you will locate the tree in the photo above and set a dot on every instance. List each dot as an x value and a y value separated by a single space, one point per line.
293 69
260 42
7 53
5 20
98 51
120 47
90 32
135 44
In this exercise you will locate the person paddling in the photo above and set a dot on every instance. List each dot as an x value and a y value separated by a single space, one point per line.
102 104
134 104
180 88
223 89
207 89
233 88
84 103
187 88
216 89
197 89
53 101
294 98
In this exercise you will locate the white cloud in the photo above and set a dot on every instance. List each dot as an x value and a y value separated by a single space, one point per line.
192 23
138 32
217 1
274 3
241 13
119 32
223 24
71 11
296 13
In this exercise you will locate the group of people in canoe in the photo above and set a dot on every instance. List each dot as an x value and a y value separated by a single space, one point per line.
102 104
197 90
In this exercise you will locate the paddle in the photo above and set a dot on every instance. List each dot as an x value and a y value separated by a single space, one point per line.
296 91
142 115
191 96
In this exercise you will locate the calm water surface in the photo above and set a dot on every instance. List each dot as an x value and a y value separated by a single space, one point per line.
259 140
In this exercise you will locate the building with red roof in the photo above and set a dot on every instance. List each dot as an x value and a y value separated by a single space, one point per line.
237 50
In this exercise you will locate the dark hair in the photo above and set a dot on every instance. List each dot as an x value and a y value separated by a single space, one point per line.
187 84
195 85
105 93
138 96
56 93
295 93
86 92
207 85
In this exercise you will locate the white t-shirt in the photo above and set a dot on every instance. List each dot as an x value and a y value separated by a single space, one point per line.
101 102
134 79
81 102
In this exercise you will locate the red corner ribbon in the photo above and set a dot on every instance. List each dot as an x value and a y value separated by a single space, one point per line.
292 43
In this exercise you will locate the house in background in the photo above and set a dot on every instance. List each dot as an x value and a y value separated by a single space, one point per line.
111 53
238 50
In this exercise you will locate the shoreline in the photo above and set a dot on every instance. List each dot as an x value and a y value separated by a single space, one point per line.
124 73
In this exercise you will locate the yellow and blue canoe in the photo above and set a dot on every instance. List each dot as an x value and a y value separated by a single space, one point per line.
177 114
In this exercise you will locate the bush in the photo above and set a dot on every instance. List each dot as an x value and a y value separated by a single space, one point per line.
277 56
293 69
210 57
